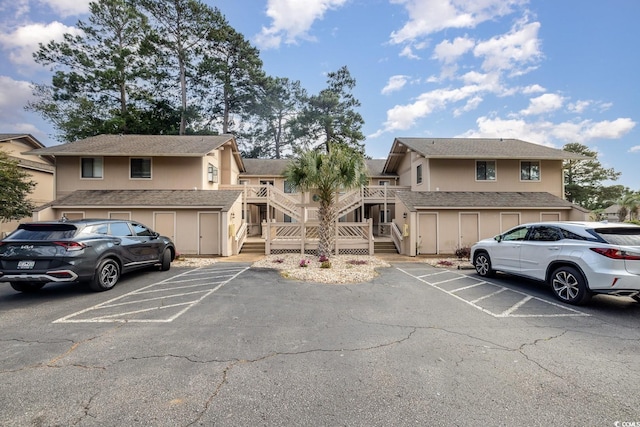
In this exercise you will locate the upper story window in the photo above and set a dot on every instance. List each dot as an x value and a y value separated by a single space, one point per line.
212 173
91 167
140 167
485 170
419 174
530 171
383 182
288 188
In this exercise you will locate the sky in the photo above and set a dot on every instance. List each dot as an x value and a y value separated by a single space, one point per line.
545 71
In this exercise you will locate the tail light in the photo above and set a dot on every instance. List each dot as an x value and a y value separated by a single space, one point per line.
617 254
71 246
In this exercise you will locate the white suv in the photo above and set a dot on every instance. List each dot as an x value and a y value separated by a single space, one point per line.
577 259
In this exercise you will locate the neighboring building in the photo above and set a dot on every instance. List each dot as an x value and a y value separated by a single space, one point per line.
611 214
428 196
40 169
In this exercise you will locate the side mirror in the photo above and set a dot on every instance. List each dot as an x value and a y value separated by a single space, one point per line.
498 238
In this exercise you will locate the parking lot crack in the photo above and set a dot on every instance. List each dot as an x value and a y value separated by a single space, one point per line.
235 363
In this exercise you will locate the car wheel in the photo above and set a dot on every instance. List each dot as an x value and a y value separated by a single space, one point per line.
27 287
482 263
106 276
166 260
569 286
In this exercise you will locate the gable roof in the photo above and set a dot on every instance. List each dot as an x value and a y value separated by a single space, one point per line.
265 167
415 200
473 148
25 138
222 199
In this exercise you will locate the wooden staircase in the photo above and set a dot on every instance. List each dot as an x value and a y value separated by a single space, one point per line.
253 247
384 247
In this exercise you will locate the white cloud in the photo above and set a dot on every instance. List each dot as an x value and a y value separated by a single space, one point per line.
543 104
14 94
510 51
609 129
635 149
547 133
394 84
402 117
430 16
579 106
534 88
67 8
407 52
23 41
292 20
449 52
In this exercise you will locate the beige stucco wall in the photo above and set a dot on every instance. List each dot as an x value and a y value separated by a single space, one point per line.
460 175
449 224
167 173
186 235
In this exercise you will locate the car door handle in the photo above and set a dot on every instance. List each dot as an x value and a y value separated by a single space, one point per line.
554 248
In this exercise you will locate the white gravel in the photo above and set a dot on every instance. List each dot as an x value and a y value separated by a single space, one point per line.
344 268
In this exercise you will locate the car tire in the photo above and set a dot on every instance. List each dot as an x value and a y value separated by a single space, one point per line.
482 263
27 287
568 285
165 261
106 275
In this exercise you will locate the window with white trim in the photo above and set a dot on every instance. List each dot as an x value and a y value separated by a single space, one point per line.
212 173
419 174
485 170
140 167
91 167
530 171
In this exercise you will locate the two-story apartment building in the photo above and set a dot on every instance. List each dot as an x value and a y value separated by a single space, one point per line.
428 196
39 168
463 190
169 183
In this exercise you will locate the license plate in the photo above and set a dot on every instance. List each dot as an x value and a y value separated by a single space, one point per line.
26 265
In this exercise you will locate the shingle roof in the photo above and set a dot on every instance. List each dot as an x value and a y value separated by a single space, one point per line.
138 145
222 199
482 199
474 148
23 137
265 167
375 167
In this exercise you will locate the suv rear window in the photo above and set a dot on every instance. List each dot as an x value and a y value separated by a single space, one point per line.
620 236
43 232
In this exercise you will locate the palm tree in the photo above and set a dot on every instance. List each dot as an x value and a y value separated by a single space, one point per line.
341 168
629 202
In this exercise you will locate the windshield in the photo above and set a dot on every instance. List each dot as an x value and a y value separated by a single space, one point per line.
620 236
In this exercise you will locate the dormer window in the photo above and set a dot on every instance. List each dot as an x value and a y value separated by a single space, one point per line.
140 167
212 173
485 170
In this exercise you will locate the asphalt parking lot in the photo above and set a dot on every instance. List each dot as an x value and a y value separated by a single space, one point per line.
230 345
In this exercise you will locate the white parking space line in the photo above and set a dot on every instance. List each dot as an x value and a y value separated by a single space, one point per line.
495 298
160 302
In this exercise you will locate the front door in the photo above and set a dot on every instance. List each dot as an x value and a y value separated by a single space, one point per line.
209 228
469 229
428 233
165 224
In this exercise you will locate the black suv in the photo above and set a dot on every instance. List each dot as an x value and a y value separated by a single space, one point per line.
95 251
